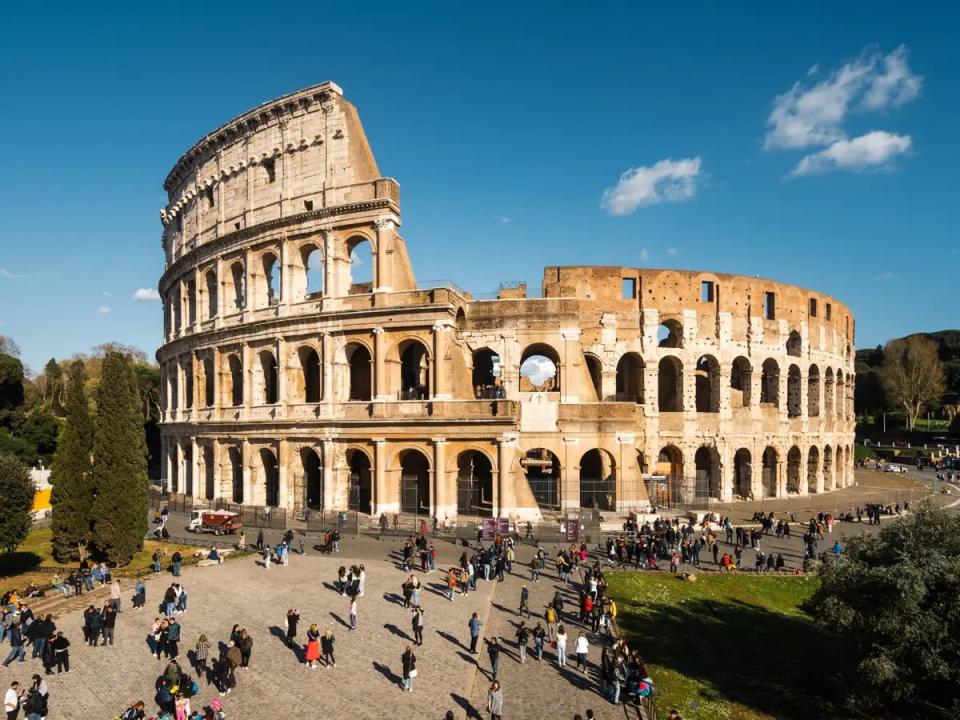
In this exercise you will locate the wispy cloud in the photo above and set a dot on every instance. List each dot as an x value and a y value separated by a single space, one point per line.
146 295
103 310
503 219
666 181
644 255
673 251
873 150
8 275
884 276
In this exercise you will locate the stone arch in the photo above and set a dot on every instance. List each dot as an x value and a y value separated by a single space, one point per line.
360 375
670 384
707 462
670 464
314 268
771 472
414 482
486 371
670 334
540 369
361 271
743 473
313 478
794 392
770 383
474 483
414 369
235 460
212 295
707 375
270 469
629 386
828 479
794 344
235 371
595 370
740 382
267 379
813 391
238 284
813 466
794 470
828 394
272 278
359 481
209 391
311 374
598 480
542 470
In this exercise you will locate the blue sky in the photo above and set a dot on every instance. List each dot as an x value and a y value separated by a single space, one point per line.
813 143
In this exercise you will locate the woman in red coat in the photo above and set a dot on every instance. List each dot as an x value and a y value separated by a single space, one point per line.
313 646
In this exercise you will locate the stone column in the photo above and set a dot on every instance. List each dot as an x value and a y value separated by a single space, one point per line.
217 458
651 387
218 316
327 368
380 503
284 273
283 494
330 477
247 460
726 409
570 474
330 286
217 383
379 366
505 501
247 374
166 469
197 304
382 281
282 375
438 378
570 353
440 505
194 468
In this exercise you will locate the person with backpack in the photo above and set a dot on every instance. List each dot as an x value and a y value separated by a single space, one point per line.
539 634
136 711
108 618
173 637
523 636
176 560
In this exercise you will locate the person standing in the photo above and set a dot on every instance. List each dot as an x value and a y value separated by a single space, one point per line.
561 641
35 706
115 594
200 653
246 648
539 634
409 661
169 601
523 636
353 612
177 560
326 645
293 617
139 595
495 701
550 615
173 638
312 651
61 646
417 625
109 620
474 626
493 650
11 701
581 648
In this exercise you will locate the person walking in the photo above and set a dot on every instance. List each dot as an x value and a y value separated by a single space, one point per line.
474 627
581 648
327 641
561 641
523 637
17 648
11 701
493 650
495 701
524 602
293 617
312 650
409 661
353 612
417 625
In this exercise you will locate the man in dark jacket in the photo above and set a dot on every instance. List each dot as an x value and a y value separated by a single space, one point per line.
93 624
17 650
109 618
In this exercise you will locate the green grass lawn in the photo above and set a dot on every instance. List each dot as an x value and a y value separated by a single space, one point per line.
726 647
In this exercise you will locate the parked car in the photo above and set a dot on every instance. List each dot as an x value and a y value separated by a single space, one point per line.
218 522
891 467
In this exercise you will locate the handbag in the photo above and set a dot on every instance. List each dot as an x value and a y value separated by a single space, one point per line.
412 673
553 644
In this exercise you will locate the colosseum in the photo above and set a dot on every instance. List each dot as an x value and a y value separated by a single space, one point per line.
305 368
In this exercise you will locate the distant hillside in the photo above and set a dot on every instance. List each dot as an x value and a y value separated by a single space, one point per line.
871 396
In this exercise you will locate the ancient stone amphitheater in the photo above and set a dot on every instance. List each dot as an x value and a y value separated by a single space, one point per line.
304 367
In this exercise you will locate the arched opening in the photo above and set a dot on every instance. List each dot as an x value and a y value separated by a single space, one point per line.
794 384
828 468
236 380
212 295
794 468
361 495
813 465
540 369
595 369
828 394
312 478
188 386
839 477
239 285
743 473
313 269
236 474
310 367
460 320
542 469
707 460
268 378
191 302
209 484
474 484
840 404
209 396
361 265
271 477
707 376
741 375
361 385
770 383
813 391
175 309
486 374
670 334
794 344
670 465
414 482
414 371
630 379
770 473
670 384
271 274
598 482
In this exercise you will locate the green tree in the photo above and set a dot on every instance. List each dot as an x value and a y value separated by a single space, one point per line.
41 430
16 499
895 600
913 375
51 387
70 474
8 346
11 382
119 463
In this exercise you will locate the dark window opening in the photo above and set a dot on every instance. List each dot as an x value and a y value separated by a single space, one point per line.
706 291
770 306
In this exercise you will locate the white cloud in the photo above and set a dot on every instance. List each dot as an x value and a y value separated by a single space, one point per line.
146 295
886 276
538 369
809 116
504 220
673 251
103 310
867 152
667 181
7 275
644 255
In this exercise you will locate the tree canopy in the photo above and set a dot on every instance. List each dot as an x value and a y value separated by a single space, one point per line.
913 375
16 501
895 600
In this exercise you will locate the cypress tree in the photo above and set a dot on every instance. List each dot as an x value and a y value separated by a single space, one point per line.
16 499
70 474
119 463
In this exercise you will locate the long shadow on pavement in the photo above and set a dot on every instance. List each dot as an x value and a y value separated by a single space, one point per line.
468 708
296 649
387 673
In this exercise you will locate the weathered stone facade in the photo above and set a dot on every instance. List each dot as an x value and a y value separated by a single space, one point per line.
289 381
